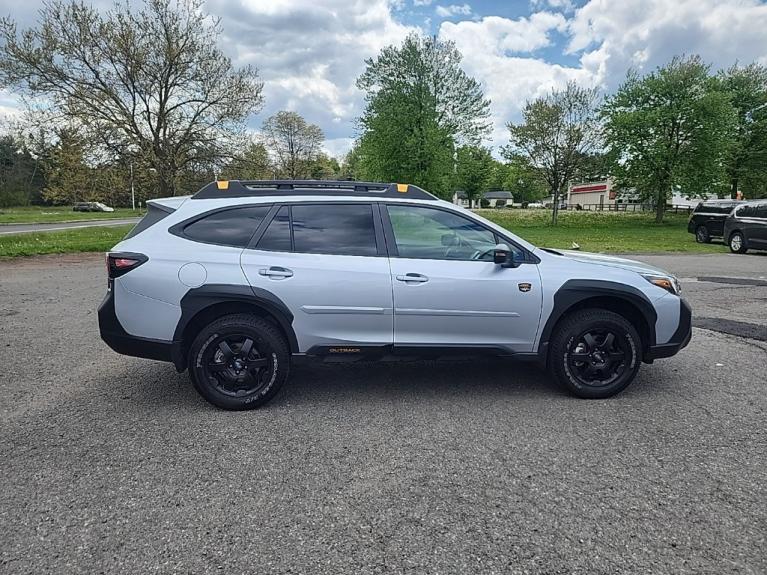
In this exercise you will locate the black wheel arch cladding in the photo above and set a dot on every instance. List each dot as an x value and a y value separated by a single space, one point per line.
575 291
197 300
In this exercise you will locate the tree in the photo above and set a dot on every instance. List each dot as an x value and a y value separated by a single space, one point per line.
557 132
669 129
420 105
66 172
746 162
151 80
252 164
21 176
294 142
473 169
324 167
524 181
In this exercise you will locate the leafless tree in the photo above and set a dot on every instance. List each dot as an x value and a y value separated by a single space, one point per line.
294 142
150 81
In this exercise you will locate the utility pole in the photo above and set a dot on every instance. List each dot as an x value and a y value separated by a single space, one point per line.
132 190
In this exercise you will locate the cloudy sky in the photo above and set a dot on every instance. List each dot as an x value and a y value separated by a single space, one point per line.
309 52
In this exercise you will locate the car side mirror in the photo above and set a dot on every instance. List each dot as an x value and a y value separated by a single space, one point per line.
505 257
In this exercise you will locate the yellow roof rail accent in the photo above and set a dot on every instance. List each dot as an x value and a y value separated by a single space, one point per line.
402 188
223 184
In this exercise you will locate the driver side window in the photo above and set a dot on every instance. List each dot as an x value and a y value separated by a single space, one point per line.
426 233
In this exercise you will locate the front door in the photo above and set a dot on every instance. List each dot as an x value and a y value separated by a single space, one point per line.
447 290
327 263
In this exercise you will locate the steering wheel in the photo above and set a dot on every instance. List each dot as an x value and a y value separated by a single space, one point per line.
461 244
480 254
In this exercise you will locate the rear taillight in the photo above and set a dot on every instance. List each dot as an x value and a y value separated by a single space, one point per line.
121 263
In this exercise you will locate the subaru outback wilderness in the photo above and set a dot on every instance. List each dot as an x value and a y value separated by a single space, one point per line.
234 281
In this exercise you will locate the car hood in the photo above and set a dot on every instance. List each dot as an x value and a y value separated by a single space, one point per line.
612 261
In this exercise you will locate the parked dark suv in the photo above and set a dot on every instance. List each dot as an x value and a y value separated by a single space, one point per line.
707 219
746 227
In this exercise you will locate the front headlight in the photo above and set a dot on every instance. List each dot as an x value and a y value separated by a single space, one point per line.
668 283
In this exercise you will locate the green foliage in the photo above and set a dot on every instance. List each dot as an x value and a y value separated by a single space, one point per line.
557 133
21 176
746 162
66 172
669 129
420 105
252 164
524 182
473 168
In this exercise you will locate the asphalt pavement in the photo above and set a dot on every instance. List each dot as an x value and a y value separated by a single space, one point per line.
113 464
7 229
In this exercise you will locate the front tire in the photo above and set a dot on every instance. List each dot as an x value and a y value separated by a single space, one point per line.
595 353
737 243
702 236
239 362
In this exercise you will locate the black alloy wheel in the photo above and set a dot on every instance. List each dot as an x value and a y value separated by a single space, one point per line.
235 366
239 361
702 236
598 357
595 353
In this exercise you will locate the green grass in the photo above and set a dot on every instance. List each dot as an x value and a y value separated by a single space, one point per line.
593 231
602 231
95 239
44 215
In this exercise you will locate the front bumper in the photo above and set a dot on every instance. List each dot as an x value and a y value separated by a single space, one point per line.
119 340
679 339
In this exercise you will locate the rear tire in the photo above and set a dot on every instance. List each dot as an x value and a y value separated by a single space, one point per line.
239 361
737 243
702 236
595 353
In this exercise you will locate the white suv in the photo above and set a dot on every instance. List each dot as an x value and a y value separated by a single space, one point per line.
234 280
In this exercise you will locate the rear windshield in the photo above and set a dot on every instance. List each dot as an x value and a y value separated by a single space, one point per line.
153 215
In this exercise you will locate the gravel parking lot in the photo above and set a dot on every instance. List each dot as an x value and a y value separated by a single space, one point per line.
115 465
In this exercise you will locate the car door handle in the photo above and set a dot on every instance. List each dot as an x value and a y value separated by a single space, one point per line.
276 272
411 277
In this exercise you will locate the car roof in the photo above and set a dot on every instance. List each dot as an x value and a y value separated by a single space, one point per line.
268 188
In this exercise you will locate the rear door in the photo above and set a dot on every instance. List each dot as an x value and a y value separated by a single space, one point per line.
327 262
447 290
757 232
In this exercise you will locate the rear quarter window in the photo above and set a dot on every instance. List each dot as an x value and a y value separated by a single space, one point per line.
231 227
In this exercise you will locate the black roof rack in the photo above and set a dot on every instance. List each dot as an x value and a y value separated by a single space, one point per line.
245 188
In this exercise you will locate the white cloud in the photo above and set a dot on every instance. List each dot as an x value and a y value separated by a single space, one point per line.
453 10
422 2
309 52
509 79
558 5
644 34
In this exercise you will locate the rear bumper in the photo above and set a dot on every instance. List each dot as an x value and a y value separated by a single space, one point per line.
679 339
119 340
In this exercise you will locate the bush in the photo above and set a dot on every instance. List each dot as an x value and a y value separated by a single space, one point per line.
483 203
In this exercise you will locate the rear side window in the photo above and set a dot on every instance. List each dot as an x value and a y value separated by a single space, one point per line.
338 229
761 211
334 229
747 212
276 238
232 227
152 216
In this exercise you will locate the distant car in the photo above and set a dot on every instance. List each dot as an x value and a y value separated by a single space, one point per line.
535 205
707 219
746 227
91 207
